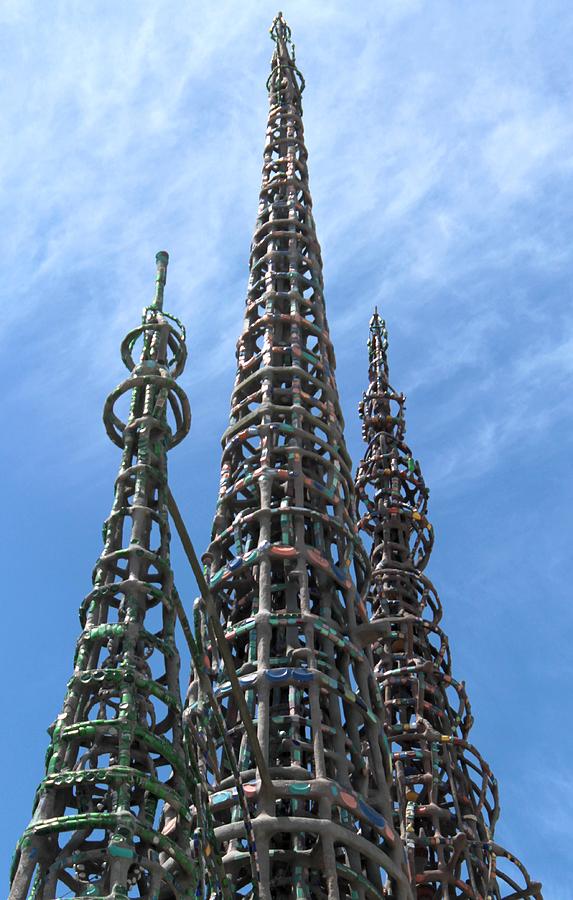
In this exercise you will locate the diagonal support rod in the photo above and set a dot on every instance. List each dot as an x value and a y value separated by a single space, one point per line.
221 642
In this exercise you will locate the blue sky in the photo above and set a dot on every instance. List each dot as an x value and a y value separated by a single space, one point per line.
440 137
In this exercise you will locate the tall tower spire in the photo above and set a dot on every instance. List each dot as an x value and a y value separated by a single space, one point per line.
290 573
111 815
445 796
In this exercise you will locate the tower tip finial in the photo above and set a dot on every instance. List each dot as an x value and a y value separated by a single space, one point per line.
378 338
162 259
377 323
279 28
285 81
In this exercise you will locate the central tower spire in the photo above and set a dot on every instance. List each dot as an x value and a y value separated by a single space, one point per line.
290 573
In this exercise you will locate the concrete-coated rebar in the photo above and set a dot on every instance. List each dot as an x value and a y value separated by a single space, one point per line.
290 574
445 796
112 816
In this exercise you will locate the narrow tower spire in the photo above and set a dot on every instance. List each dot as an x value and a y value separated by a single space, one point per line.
445 797
111 816
290 573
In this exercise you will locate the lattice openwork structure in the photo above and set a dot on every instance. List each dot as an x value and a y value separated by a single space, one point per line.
445 796
290 572
112 816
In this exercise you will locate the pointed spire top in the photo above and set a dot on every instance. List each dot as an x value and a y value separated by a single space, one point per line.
377 339
285 83
280 31
162 259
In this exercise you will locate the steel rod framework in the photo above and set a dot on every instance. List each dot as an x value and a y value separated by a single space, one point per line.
323 750
111 817
290 574
445 796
